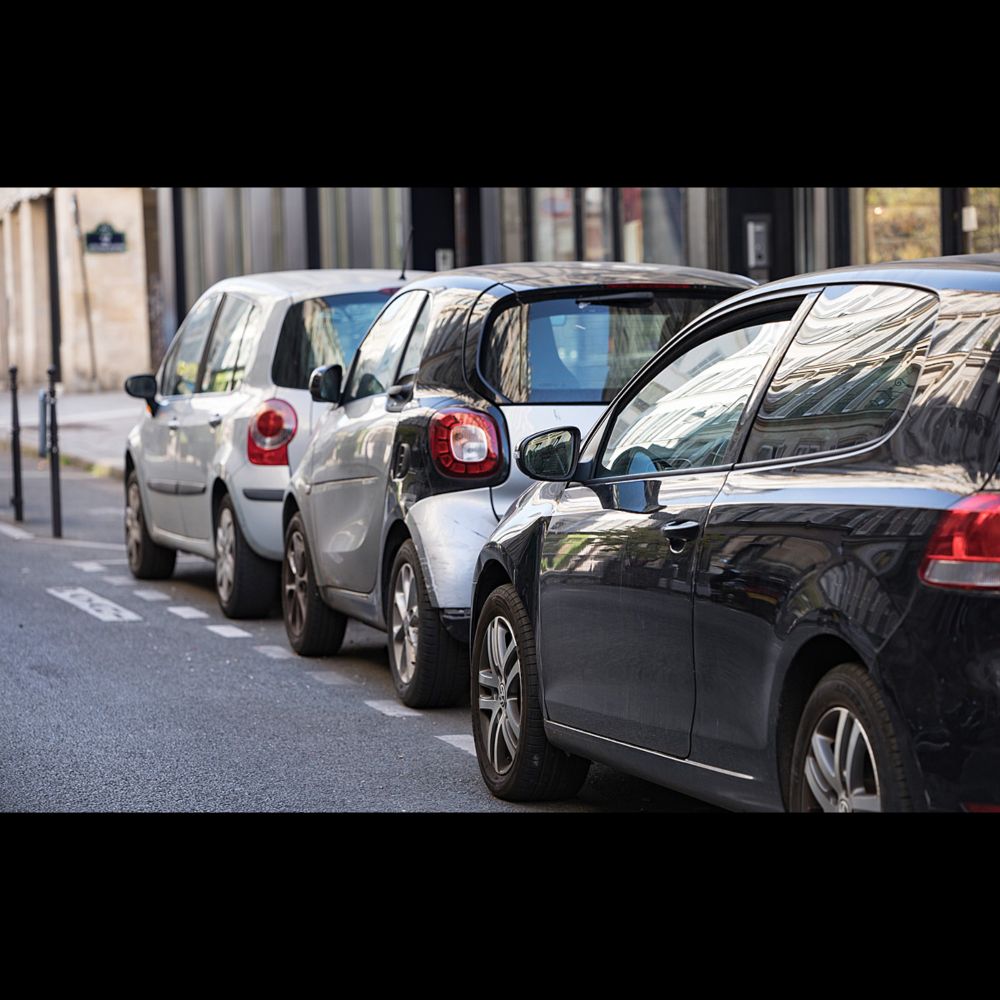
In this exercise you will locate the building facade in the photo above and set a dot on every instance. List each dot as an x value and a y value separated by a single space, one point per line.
96 280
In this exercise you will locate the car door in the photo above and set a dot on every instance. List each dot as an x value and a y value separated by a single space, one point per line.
203 421
620 553
160 434
352 453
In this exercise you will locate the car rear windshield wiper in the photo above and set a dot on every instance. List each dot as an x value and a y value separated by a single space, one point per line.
617 297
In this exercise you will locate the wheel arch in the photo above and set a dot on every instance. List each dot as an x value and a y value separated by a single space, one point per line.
394 538
493 574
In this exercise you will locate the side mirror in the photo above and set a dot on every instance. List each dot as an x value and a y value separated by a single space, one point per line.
324 384
143 387
550 456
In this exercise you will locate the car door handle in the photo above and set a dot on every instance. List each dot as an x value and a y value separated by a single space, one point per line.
173 424
402 392
215 419
681 529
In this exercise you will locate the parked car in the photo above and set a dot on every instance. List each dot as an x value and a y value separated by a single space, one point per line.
229 414
410 469
770 578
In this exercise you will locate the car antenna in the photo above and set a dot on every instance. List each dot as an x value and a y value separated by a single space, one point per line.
406 253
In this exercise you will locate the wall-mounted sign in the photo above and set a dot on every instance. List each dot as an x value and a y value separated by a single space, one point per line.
105 239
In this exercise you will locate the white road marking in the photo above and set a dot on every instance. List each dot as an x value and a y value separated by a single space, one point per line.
94 604
186 612
328 677
276 652
151 595
91 566
464 742
118 581
106 512
84 545
391 708
228 631
11 532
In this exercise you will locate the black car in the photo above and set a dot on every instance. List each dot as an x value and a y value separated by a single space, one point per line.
771 576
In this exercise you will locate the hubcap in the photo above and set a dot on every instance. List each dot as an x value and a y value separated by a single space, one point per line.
405 622
500 695
225 554
133 525
295 581
840 766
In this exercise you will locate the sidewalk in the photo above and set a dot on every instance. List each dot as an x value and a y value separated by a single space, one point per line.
93 427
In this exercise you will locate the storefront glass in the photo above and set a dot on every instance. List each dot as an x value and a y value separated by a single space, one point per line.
985 237
899 223
552 224
653 228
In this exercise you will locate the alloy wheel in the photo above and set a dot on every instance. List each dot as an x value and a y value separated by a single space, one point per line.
225 554
500 695
133 525
840 766
405 623
295 579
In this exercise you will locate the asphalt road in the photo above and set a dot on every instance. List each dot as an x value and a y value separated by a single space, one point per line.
161 713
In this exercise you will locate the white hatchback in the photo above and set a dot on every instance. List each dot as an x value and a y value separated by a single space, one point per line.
228 418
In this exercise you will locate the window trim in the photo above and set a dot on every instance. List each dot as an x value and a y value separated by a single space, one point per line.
714 326
851 450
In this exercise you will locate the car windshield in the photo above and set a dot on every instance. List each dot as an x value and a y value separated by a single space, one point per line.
323 331
583 348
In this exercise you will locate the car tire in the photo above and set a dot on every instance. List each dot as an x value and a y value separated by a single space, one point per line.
428 665
847 757
506 708
313 628
146 559
246 584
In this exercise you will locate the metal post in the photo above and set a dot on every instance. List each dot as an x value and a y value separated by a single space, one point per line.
54 456
15 447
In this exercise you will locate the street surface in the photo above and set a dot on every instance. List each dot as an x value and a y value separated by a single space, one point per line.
123 695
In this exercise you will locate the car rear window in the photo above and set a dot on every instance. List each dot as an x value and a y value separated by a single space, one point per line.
323 331
582 348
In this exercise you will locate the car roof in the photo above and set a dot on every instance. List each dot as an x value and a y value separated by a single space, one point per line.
526 276
968 273
299 285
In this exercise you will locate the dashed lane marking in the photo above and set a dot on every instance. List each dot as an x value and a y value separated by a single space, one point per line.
186 612
151 595
118 581
464 742
18 533
228 631
276 652
328 677
100 607
90 566
391 708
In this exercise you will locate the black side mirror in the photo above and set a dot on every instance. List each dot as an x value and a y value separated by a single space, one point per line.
550 455
324 384
143 387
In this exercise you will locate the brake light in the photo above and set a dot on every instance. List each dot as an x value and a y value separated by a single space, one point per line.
270 430
389 291
464 443
964 551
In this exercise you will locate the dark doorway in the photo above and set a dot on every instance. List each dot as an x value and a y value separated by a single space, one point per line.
432 214
761 232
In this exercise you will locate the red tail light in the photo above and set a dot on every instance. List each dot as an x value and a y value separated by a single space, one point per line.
964 551
270 430
464 443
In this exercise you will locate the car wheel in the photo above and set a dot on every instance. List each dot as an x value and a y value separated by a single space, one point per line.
516 760
146 559
428 665
313 628
847 757
245 583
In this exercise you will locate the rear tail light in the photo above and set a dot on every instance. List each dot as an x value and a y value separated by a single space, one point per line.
270 430
964 551
464 443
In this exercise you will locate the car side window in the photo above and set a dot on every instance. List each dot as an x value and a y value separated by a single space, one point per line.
224 348
379 353
684 415
180 373
848 373
415 346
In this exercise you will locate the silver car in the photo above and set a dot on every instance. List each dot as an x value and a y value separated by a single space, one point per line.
229 416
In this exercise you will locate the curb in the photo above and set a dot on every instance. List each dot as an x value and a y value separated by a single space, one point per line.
71 461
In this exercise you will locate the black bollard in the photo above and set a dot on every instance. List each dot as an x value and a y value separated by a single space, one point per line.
17 500
54 457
